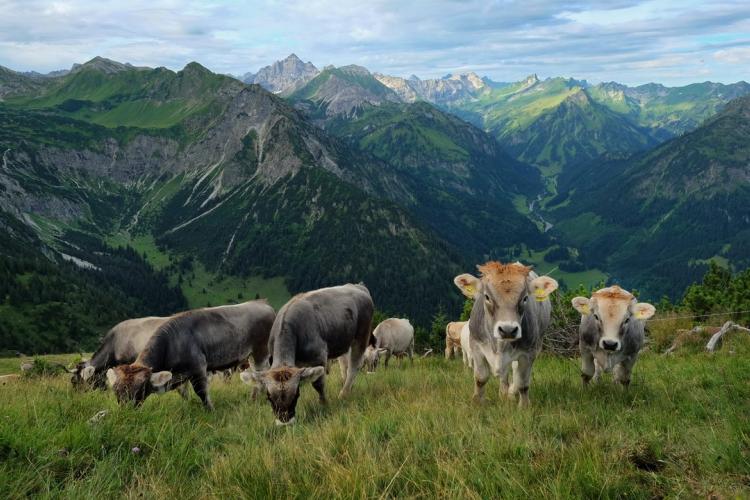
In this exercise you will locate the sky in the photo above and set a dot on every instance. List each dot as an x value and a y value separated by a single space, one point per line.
632 42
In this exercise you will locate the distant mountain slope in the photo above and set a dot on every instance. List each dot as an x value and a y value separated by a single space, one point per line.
341 91
285 76
668 111
657 218
460 181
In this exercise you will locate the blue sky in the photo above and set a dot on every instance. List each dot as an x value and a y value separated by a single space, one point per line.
673 42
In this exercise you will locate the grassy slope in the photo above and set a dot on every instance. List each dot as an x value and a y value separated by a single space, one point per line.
406 432
206 288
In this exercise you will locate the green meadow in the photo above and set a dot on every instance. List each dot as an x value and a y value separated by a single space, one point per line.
680 430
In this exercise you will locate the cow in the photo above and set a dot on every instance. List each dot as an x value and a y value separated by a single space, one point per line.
453 338
394 337
121 345
309 330
611 333
510 314
372 358
465 347
190 344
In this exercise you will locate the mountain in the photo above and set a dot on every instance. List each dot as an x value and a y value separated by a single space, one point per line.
457 177
213 178
656 220
577 130
13 83
440 91
668 111
283 77
341 91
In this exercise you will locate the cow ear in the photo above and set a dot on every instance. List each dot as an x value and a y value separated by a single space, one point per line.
111 377
251 377
468 284
643 310
87 372
160 379
542 286
582 305
311 373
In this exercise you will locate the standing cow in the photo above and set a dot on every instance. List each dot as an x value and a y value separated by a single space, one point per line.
453 338
121 345
191 344
510 314
309 330
394 337
611 332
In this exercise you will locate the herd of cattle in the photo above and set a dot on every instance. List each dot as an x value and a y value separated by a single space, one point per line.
277 352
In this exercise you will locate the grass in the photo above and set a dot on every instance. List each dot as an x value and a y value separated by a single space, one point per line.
680 430
587 278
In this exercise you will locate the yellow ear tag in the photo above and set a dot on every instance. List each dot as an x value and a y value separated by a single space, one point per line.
540 295
469 289
585 310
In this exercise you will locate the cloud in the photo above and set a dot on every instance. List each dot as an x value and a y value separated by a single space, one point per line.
633 41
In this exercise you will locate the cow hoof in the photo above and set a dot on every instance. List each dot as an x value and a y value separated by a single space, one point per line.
477 400
344 394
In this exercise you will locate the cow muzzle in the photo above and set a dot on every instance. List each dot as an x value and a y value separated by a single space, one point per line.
609 345
507 330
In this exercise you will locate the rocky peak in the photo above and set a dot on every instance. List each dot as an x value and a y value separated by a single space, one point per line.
283 76
107 66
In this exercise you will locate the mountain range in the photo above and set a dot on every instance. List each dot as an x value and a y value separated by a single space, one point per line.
217 189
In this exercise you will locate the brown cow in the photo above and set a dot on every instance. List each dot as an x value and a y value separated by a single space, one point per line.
453 338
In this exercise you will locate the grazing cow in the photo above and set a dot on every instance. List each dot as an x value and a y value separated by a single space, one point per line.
394 337
611 332
189 345
121 345
372 358
309 330
453 338
465 347
506 328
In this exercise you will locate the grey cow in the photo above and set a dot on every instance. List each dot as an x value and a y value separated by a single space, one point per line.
121 345
191 344
611 332
309 330
510 314
394 337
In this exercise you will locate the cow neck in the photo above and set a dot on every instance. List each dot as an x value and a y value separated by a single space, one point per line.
104 355
154 353
285 346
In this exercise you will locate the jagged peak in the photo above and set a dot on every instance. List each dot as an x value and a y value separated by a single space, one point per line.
195 67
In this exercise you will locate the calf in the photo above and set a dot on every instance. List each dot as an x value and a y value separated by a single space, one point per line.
506 327
121 345
309 330
190 345
394 337
611 332
453 338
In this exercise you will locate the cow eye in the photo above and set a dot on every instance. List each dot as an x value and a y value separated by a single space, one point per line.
486 297
626 320
596 316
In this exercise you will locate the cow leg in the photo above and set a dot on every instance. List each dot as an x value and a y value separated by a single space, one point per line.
522 380
411 353
356 354
200 386
448 348
588 368
183 391
344 365
597 370
503 374
622 372
481 375
319 385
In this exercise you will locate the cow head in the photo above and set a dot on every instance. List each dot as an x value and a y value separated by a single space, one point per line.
84 376
372 358
281 386
506 291
612 309
133 383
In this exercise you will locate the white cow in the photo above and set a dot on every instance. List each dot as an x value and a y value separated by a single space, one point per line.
394 337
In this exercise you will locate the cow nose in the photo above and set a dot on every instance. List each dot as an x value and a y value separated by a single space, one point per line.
610 345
